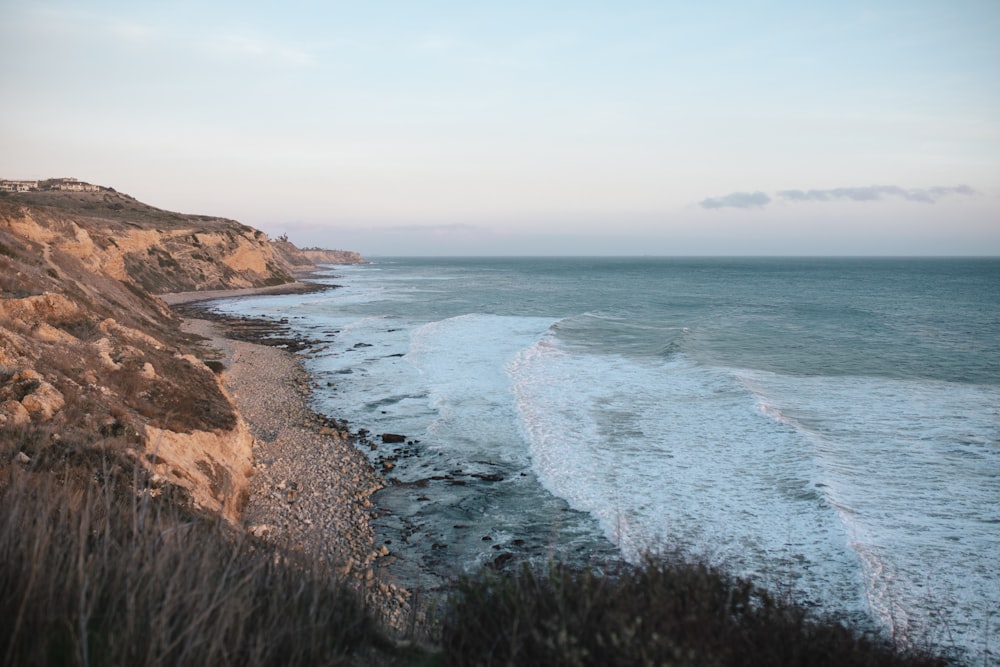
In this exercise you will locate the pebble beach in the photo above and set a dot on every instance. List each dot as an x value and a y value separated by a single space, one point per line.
312 488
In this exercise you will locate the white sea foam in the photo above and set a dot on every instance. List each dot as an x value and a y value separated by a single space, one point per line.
912 467
461 362
676 454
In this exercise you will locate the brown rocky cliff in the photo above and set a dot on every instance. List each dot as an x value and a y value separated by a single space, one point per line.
157 250
91 362
292 256
323 256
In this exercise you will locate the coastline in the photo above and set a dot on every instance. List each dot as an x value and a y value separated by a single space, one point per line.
312 488
297 287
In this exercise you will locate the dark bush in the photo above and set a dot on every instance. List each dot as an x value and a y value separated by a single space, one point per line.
665 612
216 366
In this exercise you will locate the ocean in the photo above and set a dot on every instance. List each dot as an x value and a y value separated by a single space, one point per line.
828 427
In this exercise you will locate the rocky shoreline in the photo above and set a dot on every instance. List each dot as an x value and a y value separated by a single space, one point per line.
312 488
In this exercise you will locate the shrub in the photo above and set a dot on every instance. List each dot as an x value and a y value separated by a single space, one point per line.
215 366
666 612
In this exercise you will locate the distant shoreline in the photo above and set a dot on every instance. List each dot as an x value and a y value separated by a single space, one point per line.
297 287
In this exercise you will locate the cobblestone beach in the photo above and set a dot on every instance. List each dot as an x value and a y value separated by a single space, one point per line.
312 488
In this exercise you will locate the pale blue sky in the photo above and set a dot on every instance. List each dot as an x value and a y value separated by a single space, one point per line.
526 128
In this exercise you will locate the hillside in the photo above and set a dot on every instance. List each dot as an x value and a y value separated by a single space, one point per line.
156 250
323 256
92 361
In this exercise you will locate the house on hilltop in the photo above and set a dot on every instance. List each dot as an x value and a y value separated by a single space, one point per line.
66 184
71 185
17 186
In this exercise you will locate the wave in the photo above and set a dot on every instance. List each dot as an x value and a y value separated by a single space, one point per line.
910 469
674 451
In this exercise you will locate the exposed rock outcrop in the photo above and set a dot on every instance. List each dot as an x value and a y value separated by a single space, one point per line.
156 250
291 255
214 466
90 360
322 256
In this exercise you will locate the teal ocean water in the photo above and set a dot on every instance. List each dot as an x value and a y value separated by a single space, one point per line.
830 427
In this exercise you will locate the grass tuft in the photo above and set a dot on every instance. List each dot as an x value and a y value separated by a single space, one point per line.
103 573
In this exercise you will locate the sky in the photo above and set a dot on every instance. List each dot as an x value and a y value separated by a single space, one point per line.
525 128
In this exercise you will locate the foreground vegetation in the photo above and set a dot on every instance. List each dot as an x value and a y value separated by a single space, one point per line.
666 612
97 571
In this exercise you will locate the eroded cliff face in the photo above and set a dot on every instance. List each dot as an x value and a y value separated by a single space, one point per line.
154 249
323 256
93 365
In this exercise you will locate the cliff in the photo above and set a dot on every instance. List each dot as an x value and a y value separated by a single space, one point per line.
323 256
156 250
92 362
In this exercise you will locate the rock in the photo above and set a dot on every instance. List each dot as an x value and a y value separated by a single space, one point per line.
47 333
501 560
44 402
46 307
148 371
260 530
488 477
390 438
13 413
28 375
22 458
104 348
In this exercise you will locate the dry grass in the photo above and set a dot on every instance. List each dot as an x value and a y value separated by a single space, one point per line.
98 572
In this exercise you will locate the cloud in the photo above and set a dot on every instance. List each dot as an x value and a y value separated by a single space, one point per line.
871 193
877 193
737 200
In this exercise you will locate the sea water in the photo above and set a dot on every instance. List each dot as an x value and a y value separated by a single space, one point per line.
827 427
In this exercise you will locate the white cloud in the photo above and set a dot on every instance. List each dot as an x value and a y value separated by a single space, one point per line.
878 193
870 193
737 200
